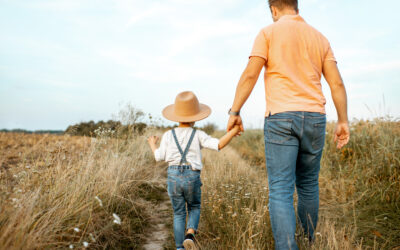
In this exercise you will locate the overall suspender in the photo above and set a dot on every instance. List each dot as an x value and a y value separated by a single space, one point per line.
183 153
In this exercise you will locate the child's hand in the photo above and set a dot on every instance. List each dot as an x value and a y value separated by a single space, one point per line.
152 140
237 130
224 140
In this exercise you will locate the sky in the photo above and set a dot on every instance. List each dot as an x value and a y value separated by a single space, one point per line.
67 61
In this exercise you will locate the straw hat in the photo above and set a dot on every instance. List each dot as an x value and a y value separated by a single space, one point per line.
186 109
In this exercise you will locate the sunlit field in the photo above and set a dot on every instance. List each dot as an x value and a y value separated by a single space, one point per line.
359 192
74 192
63 191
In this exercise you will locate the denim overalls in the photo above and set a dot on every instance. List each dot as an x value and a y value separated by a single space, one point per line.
184 191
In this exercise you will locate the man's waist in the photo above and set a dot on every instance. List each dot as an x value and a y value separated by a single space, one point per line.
271 109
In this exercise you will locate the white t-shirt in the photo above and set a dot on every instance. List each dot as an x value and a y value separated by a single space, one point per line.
169 152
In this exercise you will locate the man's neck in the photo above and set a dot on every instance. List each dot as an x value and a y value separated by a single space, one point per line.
285 12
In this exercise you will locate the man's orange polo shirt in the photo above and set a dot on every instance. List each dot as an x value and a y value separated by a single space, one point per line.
294 53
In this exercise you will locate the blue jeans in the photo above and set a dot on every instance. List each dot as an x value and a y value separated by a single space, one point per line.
293 148
184 190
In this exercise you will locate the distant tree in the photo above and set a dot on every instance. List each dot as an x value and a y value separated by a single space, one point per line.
127 123
129 115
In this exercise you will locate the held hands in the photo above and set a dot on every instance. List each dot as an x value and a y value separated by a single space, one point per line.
236 129
342 134
233 122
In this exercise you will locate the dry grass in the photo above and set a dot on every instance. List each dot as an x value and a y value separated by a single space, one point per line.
48 186
359 190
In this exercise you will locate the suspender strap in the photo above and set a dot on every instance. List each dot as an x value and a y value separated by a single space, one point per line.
183 153
187 147
176 142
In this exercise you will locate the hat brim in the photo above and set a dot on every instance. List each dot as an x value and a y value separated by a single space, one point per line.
168 113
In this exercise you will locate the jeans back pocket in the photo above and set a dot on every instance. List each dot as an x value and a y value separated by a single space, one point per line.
171 187
278 131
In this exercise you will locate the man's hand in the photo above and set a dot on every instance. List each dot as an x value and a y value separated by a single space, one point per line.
342 134
233 121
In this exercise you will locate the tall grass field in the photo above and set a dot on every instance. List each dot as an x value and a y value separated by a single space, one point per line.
73 192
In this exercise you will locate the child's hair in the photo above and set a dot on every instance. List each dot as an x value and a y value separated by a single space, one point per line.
188 123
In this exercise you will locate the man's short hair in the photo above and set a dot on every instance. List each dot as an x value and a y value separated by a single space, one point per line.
281 4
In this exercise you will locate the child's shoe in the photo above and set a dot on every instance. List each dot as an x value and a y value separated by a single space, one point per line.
189 242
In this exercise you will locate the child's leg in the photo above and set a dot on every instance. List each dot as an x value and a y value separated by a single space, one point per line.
176 195
193 199
178 204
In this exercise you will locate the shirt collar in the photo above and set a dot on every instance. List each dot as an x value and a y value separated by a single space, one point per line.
292 17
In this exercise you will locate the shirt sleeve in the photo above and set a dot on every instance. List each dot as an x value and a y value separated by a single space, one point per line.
161 152
260 46
207 141
329 54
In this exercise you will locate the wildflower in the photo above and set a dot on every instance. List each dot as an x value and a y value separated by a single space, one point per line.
117 220
98 199
77 230
318 234
85 244
28 167
71 246
92 237
234 215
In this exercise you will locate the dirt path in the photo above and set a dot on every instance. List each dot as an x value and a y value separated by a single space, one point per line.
158 235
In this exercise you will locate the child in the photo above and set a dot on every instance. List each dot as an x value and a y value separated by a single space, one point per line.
180 147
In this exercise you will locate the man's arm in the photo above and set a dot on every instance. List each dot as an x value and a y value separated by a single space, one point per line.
339 96
244 88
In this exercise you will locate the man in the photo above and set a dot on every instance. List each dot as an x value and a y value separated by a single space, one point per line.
294 55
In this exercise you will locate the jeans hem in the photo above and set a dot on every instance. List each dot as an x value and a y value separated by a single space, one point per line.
191 227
